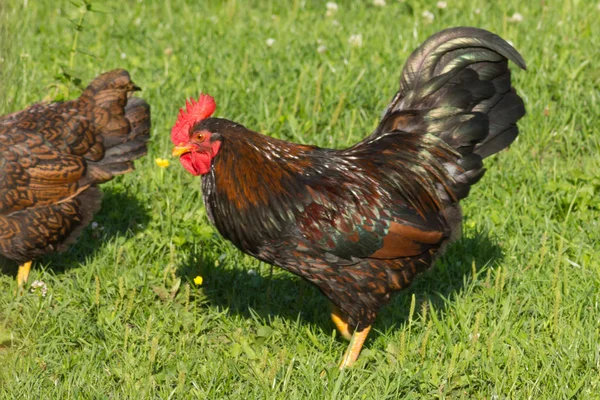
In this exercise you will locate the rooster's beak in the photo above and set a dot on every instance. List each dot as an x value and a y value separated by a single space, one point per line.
180 150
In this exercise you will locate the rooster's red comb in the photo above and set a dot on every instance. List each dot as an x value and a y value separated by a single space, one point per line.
195 111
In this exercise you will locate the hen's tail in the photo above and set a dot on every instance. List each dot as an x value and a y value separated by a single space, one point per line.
121 121
457 86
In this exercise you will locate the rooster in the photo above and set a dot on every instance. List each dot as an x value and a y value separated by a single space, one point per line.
53 156
360 223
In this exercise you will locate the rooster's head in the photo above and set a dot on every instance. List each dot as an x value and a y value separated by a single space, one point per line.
195 146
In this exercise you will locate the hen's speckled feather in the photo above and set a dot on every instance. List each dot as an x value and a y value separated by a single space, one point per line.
52 156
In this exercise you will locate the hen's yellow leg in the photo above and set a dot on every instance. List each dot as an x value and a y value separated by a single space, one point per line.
23 273
353 350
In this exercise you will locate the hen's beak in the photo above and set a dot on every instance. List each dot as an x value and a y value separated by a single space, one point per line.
180 150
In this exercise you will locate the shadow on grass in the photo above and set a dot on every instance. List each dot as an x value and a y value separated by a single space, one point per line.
239 289
120 213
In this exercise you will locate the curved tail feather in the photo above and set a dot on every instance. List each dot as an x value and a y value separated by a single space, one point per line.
457 86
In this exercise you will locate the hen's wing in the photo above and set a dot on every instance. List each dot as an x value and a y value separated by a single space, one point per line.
52 155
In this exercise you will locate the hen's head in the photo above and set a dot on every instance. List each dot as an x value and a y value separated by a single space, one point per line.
195 146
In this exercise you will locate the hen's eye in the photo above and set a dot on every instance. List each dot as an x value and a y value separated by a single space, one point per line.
199 137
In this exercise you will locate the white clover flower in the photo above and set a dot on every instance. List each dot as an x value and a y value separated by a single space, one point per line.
355 40
442 4
379 3
335 23
516 17
477 11
94 225
331 8
270 42
123 56
321 49
428 16
41 285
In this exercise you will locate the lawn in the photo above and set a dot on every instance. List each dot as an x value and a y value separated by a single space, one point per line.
511 311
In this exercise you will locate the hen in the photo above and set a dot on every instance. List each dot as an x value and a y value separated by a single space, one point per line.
53 156
361 222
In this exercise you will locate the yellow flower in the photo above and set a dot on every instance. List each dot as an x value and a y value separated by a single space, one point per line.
198 280
161 162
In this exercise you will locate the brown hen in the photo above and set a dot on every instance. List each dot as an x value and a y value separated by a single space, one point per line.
53 156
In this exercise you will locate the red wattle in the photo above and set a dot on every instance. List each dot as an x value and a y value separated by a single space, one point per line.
196 163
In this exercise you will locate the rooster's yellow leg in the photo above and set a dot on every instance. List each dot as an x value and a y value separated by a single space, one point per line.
341 323
353 350
23 273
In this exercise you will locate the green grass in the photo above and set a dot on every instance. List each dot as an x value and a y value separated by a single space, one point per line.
511 311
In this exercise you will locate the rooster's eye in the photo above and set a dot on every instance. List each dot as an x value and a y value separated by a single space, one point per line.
200 137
